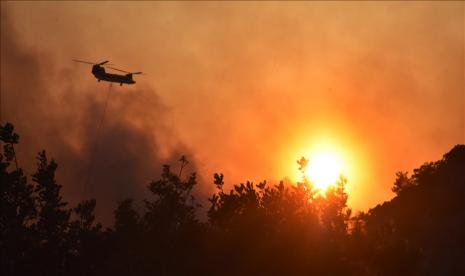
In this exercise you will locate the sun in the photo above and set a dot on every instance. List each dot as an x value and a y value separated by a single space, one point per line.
328 155
324 169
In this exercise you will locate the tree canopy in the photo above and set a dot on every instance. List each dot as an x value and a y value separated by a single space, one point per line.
251 228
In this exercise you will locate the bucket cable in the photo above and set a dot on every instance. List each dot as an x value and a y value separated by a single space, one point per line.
97 141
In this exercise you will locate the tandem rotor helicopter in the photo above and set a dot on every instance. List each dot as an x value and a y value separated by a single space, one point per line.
100 74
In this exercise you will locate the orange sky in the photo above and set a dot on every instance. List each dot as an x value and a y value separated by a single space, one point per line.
248 88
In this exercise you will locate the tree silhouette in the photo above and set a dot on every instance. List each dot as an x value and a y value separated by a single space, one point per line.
17 208
172 206
85 240
53 216
166 232
127 241
254 224
402 182
37 236
335 214
285 229
127 221
421 229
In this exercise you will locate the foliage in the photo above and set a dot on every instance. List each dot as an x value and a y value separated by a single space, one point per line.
37 235
286 228
17 206
426 217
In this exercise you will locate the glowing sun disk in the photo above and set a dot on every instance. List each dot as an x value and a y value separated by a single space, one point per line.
323 169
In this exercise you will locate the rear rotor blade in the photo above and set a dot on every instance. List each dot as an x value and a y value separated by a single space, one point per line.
133 73
118 69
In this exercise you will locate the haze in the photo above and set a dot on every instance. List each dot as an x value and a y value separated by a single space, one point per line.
240 88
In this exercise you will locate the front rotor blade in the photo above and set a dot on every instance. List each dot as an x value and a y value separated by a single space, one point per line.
77 60
137 73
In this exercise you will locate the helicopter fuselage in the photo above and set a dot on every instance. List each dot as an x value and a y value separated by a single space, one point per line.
100 74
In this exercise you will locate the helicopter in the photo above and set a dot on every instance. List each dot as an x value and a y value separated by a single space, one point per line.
100 74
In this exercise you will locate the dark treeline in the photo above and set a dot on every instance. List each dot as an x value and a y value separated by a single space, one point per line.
251 229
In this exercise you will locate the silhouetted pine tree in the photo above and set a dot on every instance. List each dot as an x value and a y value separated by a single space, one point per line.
17 210
127 242
86 241
53 217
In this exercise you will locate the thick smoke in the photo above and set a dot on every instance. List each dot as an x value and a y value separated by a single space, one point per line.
247 87
108 156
